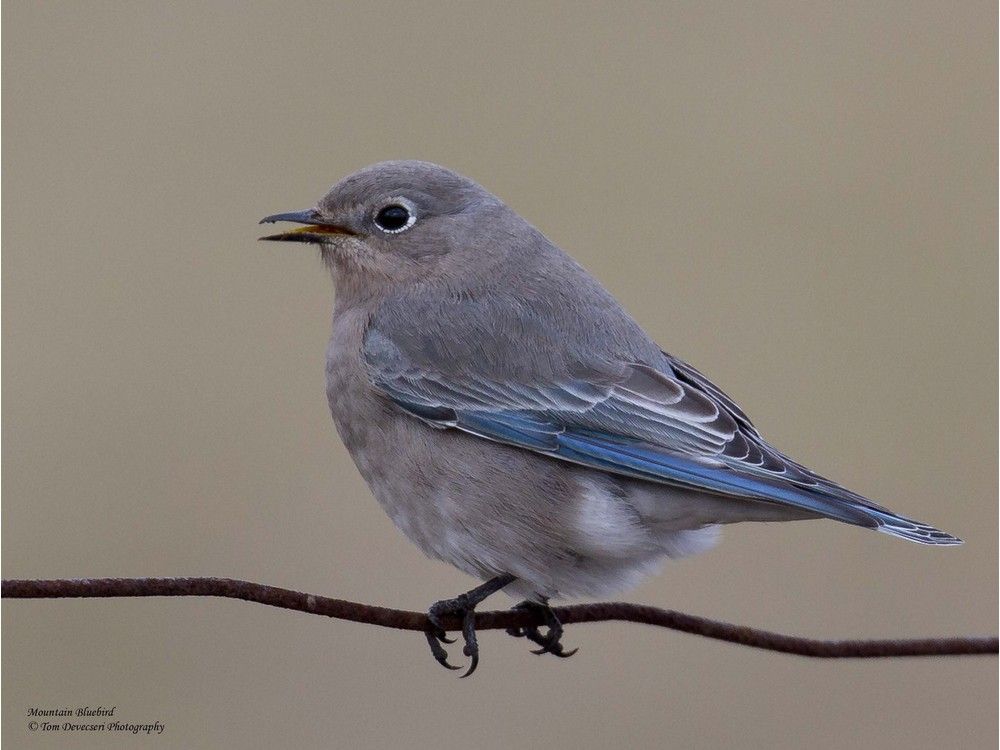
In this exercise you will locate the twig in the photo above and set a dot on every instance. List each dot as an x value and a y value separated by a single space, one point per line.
403 620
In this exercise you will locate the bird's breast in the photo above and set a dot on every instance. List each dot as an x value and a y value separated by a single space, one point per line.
349 392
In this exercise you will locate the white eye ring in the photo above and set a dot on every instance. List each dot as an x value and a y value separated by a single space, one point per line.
387 222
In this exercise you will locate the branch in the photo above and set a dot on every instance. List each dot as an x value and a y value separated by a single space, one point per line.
403 620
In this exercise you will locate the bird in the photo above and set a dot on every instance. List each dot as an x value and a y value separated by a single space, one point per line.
513 420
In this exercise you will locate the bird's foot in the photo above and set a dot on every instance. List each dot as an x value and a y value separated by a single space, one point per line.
463 605
436 635
550 641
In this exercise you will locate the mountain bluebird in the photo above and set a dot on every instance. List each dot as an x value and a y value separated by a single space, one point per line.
513 420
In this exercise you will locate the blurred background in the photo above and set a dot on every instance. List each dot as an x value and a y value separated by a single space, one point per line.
798 198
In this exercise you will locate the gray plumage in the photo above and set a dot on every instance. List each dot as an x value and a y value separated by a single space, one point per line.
511 417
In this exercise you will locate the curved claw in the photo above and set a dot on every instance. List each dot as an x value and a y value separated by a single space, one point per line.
555 649
552 645
471 648
550 642
473 663
439 654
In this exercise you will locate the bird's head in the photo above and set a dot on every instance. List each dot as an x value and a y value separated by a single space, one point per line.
399 221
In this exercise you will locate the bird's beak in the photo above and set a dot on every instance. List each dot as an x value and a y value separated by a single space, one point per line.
316 231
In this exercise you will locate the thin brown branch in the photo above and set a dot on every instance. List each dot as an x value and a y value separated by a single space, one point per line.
403 620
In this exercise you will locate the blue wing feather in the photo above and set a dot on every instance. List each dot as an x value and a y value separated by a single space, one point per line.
621 456
669 425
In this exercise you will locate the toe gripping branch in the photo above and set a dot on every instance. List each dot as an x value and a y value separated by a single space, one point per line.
550 643
464 606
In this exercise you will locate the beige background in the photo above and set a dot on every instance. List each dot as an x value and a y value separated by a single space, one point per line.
798 198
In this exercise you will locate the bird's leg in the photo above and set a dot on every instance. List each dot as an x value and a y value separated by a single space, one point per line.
550 641
464 605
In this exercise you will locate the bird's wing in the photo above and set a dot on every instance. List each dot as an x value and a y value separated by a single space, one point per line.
666 424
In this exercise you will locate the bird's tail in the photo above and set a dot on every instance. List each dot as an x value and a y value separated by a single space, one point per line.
853 509
907 528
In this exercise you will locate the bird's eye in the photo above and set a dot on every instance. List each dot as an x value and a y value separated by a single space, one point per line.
394 218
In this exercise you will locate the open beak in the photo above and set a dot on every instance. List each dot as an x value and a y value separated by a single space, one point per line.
315 231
